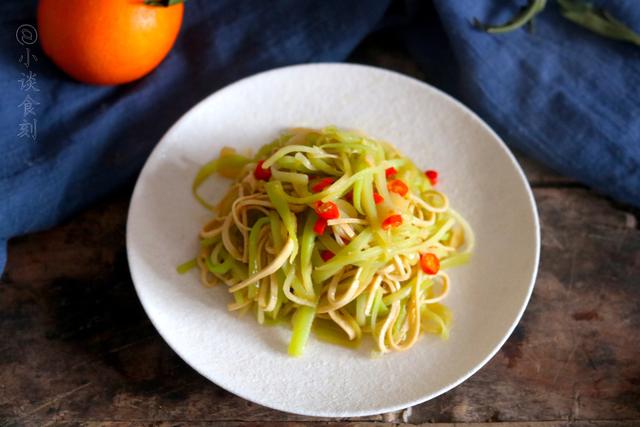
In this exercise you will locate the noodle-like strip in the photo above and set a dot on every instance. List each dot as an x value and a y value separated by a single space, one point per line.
445 290
269 269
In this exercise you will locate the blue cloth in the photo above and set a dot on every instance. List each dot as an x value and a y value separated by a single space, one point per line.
561 95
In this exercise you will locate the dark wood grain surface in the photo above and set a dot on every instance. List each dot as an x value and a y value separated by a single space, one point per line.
76 347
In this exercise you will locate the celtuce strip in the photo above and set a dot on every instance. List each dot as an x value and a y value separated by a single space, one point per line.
367 263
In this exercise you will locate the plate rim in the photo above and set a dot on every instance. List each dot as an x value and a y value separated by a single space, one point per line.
368 68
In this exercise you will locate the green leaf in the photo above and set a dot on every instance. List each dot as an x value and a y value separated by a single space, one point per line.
525 16
597 20
164 3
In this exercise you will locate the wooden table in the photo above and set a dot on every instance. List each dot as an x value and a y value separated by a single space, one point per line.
77 348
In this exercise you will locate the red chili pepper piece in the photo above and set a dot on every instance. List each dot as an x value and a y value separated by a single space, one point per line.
391 221
263 174
397 186
320 226
326 255
377 198
327 210
322 184
429 263
433 176
390 172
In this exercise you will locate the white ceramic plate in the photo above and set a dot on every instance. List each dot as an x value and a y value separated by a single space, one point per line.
477 172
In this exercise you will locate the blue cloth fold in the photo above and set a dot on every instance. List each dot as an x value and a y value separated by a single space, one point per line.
562 95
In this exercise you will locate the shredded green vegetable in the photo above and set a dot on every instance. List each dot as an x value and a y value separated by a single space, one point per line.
183 268
338 234
301 321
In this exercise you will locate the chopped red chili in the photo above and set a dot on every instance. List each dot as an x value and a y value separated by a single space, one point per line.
377 198
320 226
429 263
326 255
391 221
390 172
322 184
398 186
433 176
263 174
327 210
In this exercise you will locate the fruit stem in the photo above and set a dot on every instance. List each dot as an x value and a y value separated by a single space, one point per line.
163 3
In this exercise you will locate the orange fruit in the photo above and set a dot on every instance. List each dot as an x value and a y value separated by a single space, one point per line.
107 41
